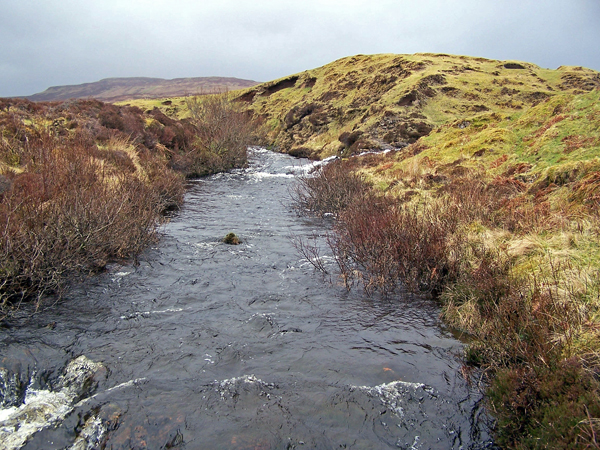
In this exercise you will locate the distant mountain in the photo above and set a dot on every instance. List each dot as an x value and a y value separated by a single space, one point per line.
116 89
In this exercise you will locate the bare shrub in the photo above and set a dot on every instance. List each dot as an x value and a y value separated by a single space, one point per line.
223 133
68 216
71 204
166 184
310 251
365 243
330 190
382 243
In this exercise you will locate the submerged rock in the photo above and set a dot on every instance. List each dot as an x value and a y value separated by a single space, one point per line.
43 408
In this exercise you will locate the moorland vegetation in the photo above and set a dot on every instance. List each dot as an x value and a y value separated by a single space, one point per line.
85 182
470 180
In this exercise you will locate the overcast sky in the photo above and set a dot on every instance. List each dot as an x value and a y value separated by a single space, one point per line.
47 43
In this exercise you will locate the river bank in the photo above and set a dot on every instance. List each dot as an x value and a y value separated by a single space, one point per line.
473 242
487 198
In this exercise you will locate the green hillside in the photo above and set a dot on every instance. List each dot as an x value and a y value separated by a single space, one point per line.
389 101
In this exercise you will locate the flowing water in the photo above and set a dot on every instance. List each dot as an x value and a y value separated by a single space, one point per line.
204 345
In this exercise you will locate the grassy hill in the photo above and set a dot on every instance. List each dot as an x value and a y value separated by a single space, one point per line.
115 89
389 101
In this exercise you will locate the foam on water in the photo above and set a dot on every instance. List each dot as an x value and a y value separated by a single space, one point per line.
44 408
393 394
7 413
263 175
148 313
91 434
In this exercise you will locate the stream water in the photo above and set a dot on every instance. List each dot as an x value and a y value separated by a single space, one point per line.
204 345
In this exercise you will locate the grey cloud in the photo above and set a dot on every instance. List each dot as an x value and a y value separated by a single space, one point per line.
69 41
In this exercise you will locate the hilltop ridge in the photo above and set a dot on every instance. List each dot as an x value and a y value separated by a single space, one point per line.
115 89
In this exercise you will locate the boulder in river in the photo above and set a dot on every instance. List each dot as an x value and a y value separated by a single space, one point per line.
232 239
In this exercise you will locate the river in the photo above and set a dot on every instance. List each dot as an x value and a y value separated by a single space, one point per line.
204 345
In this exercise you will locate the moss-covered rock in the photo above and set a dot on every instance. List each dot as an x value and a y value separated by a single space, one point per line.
232 239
